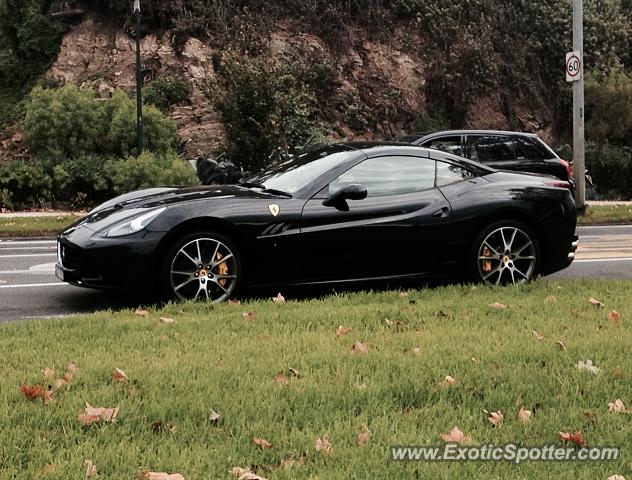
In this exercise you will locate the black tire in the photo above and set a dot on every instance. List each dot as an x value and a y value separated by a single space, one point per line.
509 266
182 279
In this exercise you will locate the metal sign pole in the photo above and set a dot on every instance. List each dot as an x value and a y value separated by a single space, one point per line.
139 84
578 109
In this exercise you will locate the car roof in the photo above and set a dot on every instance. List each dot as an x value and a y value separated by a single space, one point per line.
376 149
473 132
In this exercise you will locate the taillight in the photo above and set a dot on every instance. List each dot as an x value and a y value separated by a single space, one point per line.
559 184
568 166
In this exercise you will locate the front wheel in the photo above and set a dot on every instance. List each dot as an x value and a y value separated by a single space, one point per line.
201 266
505 253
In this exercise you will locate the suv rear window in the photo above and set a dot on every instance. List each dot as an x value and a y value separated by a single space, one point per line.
493 148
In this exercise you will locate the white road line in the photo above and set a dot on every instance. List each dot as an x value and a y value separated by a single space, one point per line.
27 242
581 227
5 249
30 255
32 285
586 260
31 272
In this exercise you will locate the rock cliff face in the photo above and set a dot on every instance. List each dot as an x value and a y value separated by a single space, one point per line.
389 74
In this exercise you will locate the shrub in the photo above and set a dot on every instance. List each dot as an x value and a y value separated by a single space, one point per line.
268 110
149 170
610 168
63 123
68 122
23 185
609 107
165 92
81 181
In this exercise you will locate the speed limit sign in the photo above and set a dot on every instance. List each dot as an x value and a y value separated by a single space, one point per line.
573 66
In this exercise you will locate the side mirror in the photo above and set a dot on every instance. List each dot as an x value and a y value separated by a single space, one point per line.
353 191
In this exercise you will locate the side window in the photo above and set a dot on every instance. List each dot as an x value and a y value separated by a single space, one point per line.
446 144
492 148
448 173
533 149
389 175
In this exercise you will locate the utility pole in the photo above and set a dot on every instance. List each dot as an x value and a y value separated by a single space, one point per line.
139 85
578 107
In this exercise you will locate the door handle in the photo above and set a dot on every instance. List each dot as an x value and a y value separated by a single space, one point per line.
442 212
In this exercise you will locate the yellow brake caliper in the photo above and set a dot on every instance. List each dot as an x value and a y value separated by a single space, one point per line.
487 264
222 269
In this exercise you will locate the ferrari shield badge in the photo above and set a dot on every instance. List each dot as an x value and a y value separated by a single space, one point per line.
274 209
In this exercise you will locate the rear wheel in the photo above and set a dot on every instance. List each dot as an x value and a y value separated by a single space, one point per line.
202 266
505 253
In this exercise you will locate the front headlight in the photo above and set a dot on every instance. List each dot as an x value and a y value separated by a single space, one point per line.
134 225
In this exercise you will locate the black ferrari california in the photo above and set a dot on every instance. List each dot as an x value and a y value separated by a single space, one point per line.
343 213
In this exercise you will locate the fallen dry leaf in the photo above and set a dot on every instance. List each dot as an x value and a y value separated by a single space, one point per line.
617 406
524 416
48 372
417 351
456 435
616 477
97 414
614 316
249 315
340 331
594 301
120 376
498 305
281 379
233 302
561 344
577 438
72 368
550 298
214 417
294 372
389 323
66 378
279 298
243 474
163 476
360 347
449 380
91 469
537 335
141 312
496 418
323 444
167 320
364 436
262 442
403 294
32 392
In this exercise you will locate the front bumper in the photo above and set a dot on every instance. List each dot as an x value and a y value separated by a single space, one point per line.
126 263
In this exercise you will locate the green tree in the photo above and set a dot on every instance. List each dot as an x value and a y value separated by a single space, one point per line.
609 107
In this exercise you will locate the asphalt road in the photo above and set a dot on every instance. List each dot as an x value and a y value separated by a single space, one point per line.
29 288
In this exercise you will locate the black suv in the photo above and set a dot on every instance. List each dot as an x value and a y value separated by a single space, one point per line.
524 152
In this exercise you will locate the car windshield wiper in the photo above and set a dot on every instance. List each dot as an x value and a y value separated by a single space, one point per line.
265 189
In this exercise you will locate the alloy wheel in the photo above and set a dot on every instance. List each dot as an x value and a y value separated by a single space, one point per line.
204 269
507 256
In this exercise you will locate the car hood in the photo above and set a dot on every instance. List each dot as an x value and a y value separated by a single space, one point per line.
131 204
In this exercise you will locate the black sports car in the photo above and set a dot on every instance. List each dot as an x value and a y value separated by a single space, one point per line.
343 213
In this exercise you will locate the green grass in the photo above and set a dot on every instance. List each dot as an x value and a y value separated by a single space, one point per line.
214 358
34 226
606 214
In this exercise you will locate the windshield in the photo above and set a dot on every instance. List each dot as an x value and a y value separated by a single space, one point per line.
296 173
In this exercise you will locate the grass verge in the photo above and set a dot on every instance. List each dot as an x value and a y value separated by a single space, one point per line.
216 357
606 214
34 226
